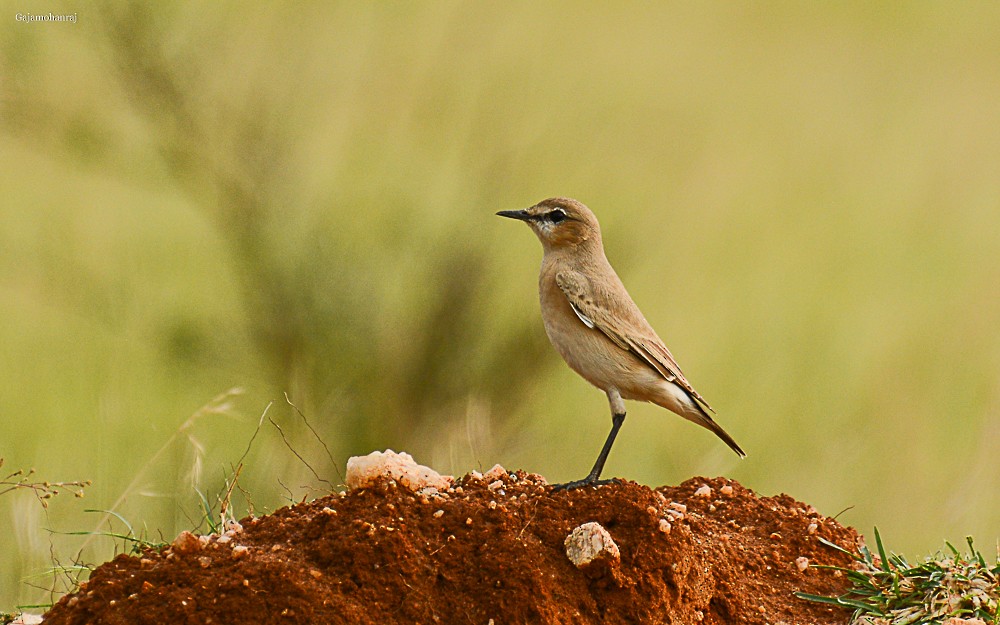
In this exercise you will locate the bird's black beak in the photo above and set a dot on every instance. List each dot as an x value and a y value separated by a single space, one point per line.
521 215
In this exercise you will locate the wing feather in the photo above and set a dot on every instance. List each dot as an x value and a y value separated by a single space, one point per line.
627 329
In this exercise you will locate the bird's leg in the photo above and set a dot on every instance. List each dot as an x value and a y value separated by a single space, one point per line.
594 477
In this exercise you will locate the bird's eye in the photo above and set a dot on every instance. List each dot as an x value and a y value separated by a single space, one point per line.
556 216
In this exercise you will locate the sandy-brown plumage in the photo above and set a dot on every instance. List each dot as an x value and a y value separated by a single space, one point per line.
627 329
596 327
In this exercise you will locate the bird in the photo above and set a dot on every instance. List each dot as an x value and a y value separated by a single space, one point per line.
598 330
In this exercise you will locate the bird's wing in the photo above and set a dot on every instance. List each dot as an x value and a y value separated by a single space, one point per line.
626 328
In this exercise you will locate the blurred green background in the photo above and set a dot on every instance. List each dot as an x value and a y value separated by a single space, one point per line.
804 198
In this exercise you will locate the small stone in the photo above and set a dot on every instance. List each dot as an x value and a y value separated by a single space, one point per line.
468 521
222 540
234 527
328 510
147 586
703 491
493 505
495 485
365 471
802 562
665 526
589 543
812 528
315 573
185 543
775 536
497 472
240 551
726 490
679 507
204 562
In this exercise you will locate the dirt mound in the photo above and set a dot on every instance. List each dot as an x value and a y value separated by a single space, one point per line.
488 551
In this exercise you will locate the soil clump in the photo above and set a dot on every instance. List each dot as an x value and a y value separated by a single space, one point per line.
488 550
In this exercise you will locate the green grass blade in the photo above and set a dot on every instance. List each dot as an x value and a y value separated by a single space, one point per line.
881 552
818 598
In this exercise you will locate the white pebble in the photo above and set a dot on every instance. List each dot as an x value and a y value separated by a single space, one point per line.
186 542
704 491
495 473
590 542
364 471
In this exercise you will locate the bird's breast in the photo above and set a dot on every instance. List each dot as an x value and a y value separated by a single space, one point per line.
586 350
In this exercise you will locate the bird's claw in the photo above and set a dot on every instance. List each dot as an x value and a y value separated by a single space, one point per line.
587 481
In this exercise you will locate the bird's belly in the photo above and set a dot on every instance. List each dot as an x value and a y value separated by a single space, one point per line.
591 354
605 365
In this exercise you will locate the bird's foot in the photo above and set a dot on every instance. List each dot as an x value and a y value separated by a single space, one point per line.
590 480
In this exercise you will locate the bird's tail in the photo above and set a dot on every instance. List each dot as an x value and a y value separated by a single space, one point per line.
700 416
679 400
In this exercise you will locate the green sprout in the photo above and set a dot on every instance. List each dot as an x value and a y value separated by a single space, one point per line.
888 590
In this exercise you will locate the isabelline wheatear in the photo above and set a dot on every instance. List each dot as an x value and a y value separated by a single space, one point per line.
597 328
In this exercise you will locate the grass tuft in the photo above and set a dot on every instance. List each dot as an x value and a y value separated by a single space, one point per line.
888 590
134 543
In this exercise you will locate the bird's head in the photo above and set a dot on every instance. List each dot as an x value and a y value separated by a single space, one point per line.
559 222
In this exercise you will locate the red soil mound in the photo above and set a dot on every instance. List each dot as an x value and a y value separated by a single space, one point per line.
487 553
